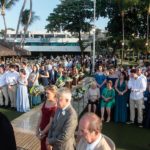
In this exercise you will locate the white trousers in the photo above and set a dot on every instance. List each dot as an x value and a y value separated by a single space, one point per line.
12 95
139 105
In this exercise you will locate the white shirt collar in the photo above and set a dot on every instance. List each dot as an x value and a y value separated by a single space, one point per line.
94 144
65 107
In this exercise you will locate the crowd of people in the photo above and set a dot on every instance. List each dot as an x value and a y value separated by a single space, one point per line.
116 89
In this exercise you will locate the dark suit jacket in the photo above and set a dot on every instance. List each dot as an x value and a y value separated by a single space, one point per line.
61 132
53 79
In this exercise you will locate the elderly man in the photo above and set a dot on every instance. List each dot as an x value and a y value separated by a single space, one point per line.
61 132
90 126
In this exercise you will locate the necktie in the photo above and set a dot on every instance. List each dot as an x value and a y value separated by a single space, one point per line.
59 113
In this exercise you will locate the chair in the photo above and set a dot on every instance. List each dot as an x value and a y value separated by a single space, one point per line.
110 142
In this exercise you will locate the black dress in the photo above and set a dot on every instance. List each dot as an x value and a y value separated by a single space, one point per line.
43 80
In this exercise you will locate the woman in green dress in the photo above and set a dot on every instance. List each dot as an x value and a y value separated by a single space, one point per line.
108 100
121 98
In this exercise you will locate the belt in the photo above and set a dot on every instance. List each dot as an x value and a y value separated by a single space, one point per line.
13 84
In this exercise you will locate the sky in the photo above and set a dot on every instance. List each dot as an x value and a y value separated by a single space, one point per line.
42 8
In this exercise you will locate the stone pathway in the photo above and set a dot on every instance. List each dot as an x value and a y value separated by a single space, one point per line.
24 128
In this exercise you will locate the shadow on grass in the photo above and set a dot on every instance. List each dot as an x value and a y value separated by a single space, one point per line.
11 114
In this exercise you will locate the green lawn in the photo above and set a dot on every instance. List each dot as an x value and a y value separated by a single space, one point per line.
128 137
10 113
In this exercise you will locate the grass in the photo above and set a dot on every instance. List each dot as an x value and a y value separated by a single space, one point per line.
11 114
128 137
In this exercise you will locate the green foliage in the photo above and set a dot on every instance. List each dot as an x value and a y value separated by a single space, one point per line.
7 3
25 17
135 14
72 15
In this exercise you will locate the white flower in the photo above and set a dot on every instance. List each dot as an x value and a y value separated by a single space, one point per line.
63 112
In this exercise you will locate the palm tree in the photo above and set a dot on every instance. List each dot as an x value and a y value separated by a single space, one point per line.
19 20
6 4
148 13
27 19
123 5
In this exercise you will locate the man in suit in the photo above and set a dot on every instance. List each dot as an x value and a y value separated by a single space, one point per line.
61 132
53 75
90 126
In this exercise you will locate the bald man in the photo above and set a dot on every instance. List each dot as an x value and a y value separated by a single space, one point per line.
90 126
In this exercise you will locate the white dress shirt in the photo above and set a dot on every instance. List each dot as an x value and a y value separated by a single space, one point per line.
2 79
143 77
93 145
137 86
12 77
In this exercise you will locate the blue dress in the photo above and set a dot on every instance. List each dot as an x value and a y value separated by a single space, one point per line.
22 101
100 78
121 104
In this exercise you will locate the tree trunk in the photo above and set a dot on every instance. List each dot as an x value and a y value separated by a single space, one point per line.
23 6
3 15
81 44
122 15
5 34
27 25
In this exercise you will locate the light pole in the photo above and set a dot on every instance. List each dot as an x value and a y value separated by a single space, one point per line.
94 28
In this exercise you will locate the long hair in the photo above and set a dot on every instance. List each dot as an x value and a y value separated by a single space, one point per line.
7 138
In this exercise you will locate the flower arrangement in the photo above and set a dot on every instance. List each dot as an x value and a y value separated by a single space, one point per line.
37 90
79 92
60 82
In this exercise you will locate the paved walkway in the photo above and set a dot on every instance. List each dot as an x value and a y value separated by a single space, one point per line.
24 127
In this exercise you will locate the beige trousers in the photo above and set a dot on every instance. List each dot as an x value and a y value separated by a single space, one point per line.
1 98
139 105
12 95
4 92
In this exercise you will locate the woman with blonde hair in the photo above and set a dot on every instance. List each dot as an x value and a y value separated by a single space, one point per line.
33 80
108 100
93 97
47 113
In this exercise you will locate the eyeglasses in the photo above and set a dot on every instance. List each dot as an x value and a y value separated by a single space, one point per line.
47 93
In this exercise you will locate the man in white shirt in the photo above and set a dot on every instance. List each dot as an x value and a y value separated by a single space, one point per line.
11 81
141 76
137 87
90 135
3 88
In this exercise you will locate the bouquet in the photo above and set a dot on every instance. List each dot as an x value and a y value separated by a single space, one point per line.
78 93
37 90
60 82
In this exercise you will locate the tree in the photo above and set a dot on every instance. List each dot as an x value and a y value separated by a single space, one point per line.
128 19
74 16
6 4
26 20
19 20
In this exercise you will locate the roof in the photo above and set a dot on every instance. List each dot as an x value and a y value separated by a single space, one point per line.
8 49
